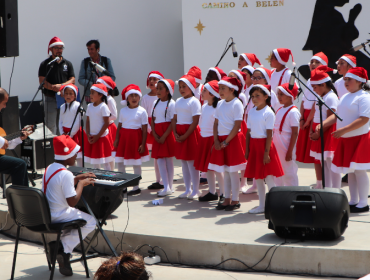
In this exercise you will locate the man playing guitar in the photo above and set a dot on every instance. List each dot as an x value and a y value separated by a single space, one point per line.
17 168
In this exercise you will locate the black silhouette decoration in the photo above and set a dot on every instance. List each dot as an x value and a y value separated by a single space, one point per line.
331 34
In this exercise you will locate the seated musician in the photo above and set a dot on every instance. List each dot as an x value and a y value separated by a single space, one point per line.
16 167
58 184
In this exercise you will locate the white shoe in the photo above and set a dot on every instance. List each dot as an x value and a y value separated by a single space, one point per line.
252 189
244 189
164 193
317 187
257 210
193 196
184 195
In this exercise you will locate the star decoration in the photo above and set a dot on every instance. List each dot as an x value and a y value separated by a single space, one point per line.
199 27
269 57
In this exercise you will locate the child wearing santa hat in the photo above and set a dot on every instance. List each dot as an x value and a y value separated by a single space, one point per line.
130 143
263 159
147 103
98 149
185 127
323 86
344 63
197 74
215 73
67 115
206 140
286 134
247 59
164 141
307 112
58 185
227 152
112 105
281 74
352 153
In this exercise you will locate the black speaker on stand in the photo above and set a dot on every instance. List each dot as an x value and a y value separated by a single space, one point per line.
305 213
9 40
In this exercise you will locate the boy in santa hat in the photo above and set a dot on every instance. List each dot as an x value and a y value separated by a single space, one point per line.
58 185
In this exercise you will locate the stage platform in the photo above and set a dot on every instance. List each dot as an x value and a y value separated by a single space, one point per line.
193 232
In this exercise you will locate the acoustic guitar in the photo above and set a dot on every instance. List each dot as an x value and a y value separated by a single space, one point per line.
12 136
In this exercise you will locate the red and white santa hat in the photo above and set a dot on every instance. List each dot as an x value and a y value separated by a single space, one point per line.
71 86
100 88
350 59
320 75
107 81
266 73
251 58
358 73
130 89
196 73
212 87
241 75
64 147
219 72
55 41
265 88
282 55
322 58
231 82
293 93
169 84
155 74
189 81
249 68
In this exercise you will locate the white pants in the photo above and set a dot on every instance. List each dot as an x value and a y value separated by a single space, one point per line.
70 238
290 178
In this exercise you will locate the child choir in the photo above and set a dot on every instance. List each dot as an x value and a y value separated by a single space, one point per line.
232 127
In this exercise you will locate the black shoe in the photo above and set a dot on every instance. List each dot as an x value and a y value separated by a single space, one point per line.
360 210
209 197
203 181
222 199
345 179
155 186
221 207
232 207
138 191
352 206
63 260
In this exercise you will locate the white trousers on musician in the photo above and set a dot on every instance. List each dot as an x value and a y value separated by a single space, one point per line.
290 178
70 238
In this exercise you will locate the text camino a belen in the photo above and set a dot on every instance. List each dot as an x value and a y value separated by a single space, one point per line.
223 5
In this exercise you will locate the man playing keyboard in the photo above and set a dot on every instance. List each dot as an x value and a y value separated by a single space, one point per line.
58 185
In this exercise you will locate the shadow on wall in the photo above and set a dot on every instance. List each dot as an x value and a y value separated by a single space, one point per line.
331 34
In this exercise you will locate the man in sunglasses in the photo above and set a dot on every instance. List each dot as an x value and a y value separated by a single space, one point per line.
62 73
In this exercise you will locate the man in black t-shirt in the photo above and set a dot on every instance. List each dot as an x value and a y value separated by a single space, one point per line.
61 73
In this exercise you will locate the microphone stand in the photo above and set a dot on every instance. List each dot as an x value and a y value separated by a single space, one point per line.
41 86
81 111
225 51
320 102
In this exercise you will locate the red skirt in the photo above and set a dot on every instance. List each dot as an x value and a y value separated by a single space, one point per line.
150 138
185 150
352 154
231 158
128 145
244 128
256 169
112 132
99 152
303 147
330 144
203 153
77 139
167 149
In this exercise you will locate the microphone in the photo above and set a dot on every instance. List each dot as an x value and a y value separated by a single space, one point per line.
359 47
292 80
54 60
100 68
233 47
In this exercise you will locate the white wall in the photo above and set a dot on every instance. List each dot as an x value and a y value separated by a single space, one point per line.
255 29
139 36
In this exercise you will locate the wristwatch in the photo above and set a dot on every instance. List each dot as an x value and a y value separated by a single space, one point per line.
225 144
